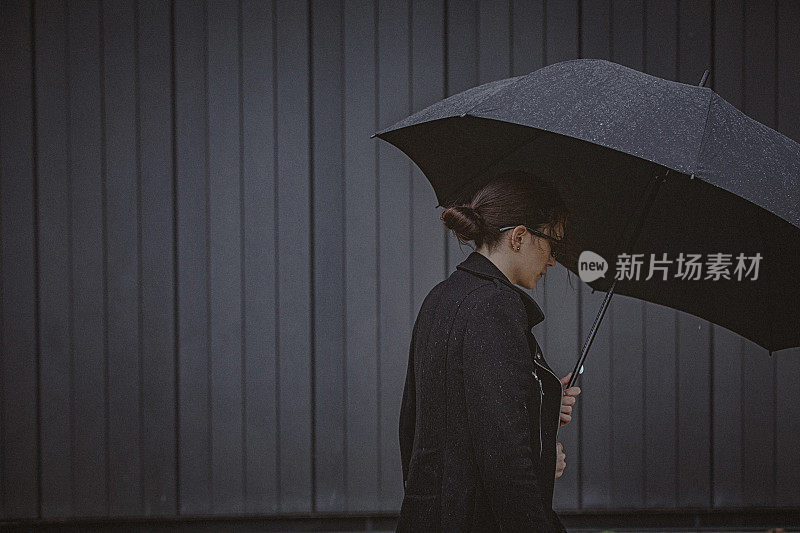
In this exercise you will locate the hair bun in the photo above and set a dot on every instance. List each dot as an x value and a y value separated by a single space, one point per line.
465 221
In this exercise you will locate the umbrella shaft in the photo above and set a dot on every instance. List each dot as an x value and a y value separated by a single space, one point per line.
595 326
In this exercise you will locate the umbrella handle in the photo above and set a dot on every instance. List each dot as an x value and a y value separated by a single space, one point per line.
578 370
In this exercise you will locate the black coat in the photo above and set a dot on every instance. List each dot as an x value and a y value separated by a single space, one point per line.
470 420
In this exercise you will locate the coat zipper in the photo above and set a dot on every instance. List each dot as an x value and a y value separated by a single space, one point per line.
558 424
541 399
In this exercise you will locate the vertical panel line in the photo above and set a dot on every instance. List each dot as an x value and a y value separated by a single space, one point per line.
644 37
207 231
478 43
36 260
376 50
675 312
580 55
611 28
175 259
343 185
139 319
776 118
741 418
242 251
742 389
580 411
611 403
774 360
712 350
644 404
104 246
677 407
511 38
677 315
611 351
312 257
446 63
3 427
713 24
544 280
70 254
544 38
644 310
410 89
275 221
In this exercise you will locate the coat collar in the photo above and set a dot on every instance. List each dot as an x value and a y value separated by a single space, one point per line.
480 265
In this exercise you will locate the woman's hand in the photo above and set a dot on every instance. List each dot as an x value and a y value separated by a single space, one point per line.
568 399
561 462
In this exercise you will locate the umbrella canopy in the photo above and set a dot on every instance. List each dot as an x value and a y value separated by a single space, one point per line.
601 132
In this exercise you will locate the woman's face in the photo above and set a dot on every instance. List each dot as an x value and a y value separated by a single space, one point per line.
533 258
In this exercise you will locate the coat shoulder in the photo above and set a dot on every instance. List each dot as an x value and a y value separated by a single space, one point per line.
467 301
493 299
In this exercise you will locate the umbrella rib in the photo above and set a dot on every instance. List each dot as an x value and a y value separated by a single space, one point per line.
696 165
494 93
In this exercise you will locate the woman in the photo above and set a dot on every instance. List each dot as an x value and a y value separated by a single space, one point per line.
481 406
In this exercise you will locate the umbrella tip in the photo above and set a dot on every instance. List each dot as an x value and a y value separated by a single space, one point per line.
704 78
464 114
372 136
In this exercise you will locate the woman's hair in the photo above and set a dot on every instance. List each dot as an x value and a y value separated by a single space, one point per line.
513 198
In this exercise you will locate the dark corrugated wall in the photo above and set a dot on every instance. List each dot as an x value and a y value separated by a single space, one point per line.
210 271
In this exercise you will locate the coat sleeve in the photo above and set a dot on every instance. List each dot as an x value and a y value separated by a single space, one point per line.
497 367
408 412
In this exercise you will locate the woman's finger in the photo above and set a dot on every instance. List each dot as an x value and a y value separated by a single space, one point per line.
572 391
561 462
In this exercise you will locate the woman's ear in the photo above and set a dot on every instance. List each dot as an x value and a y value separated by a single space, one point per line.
517 233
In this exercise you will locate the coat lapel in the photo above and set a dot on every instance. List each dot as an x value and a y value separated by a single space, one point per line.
480 265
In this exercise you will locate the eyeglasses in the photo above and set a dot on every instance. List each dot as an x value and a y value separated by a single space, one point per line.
554 241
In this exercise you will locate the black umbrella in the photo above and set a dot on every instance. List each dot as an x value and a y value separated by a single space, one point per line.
646 166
